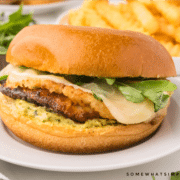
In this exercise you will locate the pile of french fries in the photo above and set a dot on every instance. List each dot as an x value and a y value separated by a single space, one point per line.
157 18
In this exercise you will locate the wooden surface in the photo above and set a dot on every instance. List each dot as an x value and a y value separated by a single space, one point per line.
3 62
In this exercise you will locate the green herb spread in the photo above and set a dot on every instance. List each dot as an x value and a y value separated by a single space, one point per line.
41 115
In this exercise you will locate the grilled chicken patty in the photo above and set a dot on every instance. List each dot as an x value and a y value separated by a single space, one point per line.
58 103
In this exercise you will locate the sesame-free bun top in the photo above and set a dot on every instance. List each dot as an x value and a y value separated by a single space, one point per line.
90 51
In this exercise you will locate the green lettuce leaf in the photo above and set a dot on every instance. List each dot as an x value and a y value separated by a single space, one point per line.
97 97
3 77
154 90
3 50
156 85
8 30
130 93
110 81
159 99
16 15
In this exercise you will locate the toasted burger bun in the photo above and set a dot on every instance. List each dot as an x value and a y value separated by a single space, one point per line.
90 51
75 140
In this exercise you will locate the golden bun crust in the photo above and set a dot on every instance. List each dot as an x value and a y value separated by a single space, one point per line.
73 140
90 51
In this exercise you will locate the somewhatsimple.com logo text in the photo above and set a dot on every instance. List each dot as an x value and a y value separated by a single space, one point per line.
172 175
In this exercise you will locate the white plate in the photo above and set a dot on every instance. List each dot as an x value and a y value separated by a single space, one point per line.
37 9
164 142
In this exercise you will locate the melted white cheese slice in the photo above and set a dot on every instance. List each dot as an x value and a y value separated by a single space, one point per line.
123 111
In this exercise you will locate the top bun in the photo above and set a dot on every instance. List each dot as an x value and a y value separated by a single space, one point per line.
90 51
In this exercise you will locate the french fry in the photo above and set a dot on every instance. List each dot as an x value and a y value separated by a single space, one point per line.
175 2
77 18
126 11
165 27
169 11
163 37
116 19
148 21
177 34
87 16
94 20
147 2
92 17
90 4
175 50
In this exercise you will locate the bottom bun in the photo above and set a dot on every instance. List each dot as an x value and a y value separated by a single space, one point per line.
73 139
